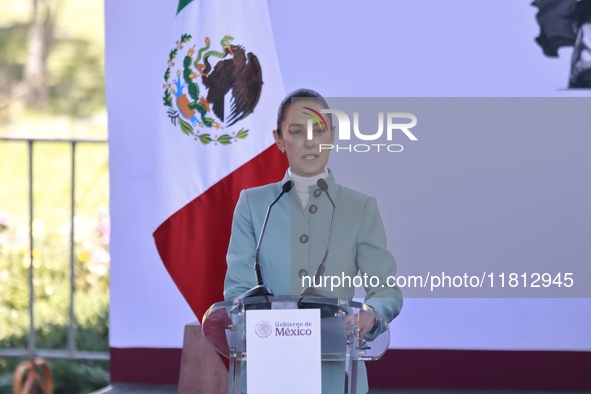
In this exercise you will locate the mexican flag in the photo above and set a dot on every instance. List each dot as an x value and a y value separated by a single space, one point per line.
221 87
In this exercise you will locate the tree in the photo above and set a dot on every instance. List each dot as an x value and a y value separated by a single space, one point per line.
40 40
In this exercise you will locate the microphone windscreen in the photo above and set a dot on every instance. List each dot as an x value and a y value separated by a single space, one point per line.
322 184
287 186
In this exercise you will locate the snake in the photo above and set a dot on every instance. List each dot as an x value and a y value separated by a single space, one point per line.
192 87
225 43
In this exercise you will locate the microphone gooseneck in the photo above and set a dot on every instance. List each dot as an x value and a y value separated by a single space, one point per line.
284 189
261 289
314 291
320 270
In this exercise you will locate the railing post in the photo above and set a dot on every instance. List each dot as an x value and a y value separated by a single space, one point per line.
32 338
72 323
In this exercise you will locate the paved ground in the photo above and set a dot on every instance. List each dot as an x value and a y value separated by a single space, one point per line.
136 388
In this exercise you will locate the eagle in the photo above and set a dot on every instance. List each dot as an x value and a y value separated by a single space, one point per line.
242 75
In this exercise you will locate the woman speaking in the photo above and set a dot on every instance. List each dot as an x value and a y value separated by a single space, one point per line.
295 242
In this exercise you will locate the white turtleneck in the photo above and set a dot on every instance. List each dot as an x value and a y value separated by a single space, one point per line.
302 185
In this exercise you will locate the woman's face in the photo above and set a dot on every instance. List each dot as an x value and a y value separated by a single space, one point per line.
304 155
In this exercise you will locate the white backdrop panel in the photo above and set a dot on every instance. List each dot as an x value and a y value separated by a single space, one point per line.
340 48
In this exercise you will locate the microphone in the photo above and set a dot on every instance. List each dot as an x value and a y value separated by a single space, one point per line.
320 270
261 289
315 291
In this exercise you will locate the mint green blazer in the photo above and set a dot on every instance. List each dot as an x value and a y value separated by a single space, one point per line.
295 243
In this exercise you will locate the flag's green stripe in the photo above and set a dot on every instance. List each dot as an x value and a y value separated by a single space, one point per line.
182 4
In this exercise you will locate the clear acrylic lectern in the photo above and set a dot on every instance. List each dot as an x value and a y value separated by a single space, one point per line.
224 328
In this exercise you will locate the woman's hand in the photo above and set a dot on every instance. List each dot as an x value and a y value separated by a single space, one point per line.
363 321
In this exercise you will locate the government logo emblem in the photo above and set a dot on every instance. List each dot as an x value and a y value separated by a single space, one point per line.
195 91
263 329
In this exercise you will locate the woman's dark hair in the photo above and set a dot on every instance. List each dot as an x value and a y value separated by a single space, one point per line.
299 93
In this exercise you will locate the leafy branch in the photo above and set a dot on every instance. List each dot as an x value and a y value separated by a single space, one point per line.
172 54
185 38
167 99
186 127
224 139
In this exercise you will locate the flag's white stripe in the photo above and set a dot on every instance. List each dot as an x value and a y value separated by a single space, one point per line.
187 168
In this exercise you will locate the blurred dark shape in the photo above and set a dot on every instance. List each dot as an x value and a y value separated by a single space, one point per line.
556 25
567 23
580 76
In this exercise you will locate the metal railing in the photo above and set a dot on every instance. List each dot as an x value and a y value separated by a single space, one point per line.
70 352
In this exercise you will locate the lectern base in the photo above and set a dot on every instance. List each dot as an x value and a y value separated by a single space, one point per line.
202 369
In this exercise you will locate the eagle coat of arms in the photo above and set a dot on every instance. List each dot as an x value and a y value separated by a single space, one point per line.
196 98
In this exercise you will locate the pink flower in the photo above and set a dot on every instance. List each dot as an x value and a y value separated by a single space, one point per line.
104 231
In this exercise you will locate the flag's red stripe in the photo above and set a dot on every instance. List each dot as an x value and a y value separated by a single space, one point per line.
192 243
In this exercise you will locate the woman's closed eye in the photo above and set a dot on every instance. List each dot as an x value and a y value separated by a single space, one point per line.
300 132
296 132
